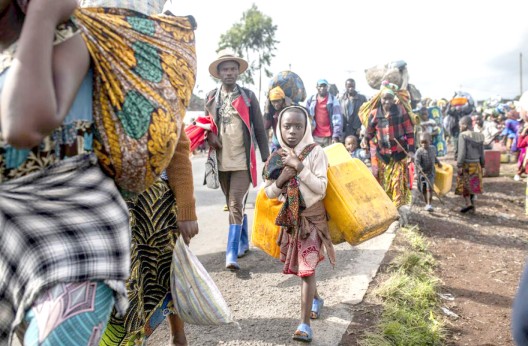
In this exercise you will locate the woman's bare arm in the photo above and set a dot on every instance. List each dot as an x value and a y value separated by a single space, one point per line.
43 80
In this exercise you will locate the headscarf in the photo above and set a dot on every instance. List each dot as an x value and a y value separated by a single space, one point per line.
276 94
306 140
388 88
274 165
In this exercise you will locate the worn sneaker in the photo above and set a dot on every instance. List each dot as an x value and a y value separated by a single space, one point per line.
517 177
428 207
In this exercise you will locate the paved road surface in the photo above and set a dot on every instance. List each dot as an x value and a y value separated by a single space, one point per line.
264 302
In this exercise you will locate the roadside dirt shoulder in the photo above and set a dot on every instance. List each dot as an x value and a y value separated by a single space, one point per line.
480 258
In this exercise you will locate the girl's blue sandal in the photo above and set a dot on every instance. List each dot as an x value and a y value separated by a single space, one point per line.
317 305
303 333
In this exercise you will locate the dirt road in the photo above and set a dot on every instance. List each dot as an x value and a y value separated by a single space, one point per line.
480 258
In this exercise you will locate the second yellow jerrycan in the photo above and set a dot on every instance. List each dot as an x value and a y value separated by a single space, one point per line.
443 179
357 206
265 232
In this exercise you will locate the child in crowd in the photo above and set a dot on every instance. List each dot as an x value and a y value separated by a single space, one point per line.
425 159
352 145
428 125
296 174
470 163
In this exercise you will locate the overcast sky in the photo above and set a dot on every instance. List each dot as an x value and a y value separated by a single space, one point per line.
448 45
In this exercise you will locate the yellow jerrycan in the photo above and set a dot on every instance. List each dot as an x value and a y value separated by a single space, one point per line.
443 179
357 206
265 232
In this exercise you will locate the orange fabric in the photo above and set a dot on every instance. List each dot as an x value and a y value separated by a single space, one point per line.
181 182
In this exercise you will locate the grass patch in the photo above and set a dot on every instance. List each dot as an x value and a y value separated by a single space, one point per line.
409 294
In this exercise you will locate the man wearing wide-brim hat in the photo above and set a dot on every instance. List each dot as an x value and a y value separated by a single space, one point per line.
236 113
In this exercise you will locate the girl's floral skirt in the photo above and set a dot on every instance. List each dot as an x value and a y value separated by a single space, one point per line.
469 182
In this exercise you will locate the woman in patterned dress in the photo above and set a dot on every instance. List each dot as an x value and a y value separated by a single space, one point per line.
390 127
470 163
64 237
157 217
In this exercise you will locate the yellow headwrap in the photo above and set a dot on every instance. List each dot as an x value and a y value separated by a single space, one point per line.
276 94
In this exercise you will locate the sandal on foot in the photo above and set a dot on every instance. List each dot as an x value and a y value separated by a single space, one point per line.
317 305
303 333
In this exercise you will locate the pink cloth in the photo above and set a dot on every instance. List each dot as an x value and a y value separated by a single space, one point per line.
301 255
522 143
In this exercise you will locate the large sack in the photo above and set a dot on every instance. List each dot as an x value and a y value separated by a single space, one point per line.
395 72
291 84
414 92
461 104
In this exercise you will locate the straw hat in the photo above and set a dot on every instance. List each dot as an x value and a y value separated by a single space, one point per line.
227 56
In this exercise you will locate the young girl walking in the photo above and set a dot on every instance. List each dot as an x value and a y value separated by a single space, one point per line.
470 163
297 175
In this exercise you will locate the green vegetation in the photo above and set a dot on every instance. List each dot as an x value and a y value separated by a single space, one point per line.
410 301
254 39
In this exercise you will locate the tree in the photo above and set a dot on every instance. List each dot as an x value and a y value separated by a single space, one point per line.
254 39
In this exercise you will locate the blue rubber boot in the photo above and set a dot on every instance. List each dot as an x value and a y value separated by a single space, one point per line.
233 240
243 247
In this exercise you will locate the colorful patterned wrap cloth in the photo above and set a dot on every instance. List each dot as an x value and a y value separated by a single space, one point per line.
144 74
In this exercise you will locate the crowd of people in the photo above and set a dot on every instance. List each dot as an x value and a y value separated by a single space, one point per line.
71 237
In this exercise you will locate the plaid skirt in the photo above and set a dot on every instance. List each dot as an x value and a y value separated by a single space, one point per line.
66 223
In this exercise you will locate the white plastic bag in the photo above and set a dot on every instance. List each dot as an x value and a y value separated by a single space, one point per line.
197 299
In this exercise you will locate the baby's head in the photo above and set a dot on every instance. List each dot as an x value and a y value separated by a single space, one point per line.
425 140
293 123
351 143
